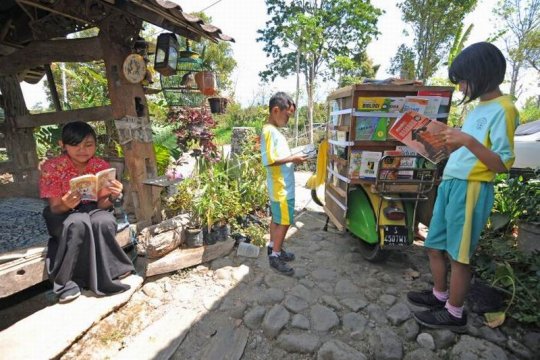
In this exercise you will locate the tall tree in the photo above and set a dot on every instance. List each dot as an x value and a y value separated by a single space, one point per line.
521 20
352 69
434 24
319 31
402 63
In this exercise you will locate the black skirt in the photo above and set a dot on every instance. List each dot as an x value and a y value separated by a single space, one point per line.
83 249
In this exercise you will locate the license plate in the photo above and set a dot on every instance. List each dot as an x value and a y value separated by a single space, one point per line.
395 235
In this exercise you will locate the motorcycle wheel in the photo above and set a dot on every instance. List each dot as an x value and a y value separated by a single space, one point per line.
373 252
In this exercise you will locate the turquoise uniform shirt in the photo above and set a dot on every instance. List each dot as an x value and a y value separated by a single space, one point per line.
493 124
280 179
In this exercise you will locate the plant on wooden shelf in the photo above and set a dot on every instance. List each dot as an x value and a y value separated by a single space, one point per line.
193 127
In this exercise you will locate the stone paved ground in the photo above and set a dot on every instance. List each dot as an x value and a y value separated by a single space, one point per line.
21 224
337 306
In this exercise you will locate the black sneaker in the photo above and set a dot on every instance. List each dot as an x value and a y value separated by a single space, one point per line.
441 319
425 299
278 264
285 255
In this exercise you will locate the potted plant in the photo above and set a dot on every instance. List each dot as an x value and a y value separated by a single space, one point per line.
206 79
185 201
192 127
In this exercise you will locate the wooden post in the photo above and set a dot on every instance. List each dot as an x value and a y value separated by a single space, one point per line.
20 143
128 101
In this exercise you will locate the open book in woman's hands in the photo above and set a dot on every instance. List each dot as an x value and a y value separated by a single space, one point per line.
89 186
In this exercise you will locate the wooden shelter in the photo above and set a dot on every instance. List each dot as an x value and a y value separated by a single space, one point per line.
34 34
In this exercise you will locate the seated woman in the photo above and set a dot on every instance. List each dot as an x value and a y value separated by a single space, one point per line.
82 251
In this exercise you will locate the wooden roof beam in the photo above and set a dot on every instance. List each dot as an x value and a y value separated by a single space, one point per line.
99 113
38 53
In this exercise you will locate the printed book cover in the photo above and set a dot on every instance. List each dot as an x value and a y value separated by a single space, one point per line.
444 95
390 164
422 134
354 164
89 186
415 104
406 162
369 164
375 127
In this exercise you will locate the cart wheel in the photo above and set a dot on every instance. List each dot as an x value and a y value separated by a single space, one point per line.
373 253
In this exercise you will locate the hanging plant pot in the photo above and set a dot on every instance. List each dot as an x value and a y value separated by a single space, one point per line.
206 82
217 105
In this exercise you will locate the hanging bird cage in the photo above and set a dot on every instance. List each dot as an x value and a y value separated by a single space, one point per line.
181 89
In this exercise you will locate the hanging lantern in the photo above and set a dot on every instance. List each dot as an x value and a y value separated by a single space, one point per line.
166 54
181 88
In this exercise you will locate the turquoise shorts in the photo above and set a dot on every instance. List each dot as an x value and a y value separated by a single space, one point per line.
282 212
461 211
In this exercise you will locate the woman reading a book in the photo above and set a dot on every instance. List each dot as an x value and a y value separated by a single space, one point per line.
82 251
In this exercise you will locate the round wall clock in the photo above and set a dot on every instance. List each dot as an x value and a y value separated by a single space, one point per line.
134 68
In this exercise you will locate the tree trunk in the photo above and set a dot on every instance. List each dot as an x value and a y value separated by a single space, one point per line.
297 112
310 79
516 67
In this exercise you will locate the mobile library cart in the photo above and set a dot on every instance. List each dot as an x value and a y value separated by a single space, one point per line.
375 187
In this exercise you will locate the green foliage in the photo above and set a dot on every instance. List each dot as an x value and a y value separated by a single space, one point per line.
222 190
320 34
47 138
434 25
352 69
515 199
460 39
256 234
402 63
530 111
193 130
253 116
157 108
498 257
520 27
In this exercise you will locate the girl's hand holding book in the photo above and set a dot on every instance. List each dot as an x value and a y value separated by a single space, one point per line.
71 200
115 189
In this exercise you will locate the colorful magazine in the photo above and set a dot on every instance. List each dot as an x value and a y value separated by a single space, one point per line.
375 127
422 135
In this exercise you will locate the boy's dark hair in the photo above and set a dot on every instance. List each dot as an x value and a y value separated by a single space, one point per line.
281 100
75 132
481 65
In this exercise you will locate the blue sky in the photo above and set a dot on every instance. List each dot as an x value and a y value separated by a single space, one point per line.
242 18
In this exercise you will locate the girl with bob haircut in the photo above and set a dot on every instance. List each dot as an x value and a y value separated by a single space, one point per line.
482 148
82 251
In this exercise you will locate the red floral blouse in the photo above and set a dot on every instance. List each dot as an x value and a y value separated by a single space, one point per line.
56 173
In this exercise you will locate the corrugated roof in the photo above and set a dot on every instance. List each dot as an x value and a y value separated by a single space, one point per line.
193 22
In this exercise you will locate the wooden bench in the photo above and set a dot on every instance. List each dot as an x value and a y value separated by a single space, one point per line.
24 268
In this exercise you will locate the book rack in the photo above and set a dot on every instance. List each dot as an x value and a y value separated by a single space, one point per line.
345 143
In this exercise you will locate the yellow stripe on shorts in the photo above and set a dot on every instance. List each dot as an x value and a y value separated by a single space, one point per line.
473 192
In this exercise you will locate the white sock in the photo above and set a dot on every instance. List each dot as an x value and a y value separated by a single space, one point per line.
271 244
275 253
